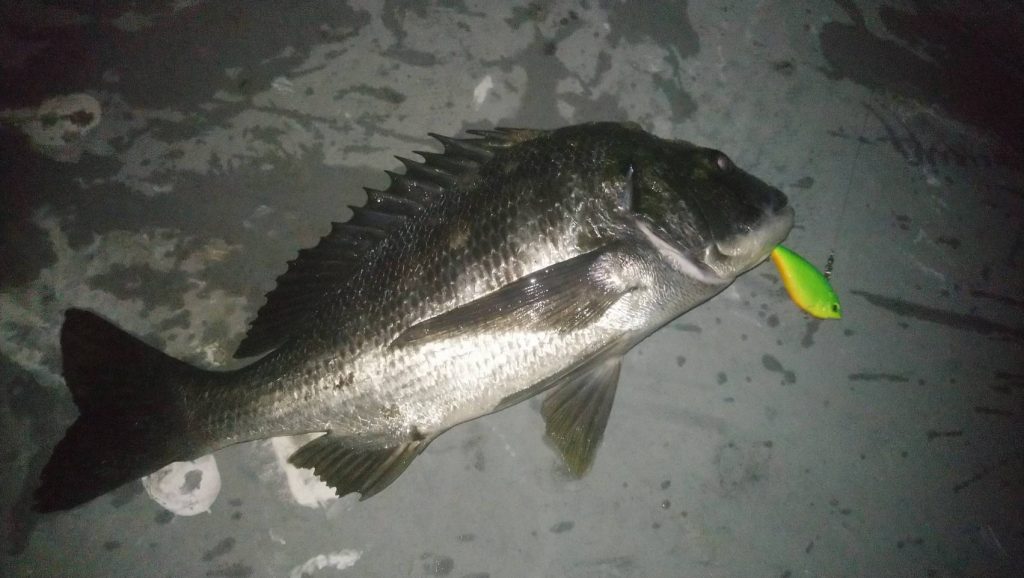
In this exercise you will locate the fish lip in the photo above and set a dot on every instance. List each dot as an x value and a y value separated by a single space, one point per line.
770 231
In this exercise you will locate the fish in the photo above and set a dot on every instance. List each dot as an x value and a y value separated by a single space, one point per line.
807 287
514 262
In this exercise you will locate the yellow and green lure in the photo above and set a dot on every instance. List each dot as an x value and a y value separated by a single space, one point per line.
807 286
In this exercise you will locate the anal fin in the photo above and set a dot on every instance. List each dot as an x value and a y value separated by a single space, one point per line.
352 465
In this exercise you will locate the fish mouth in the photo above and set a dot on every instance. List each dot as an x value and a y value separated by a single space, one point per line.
742 251
744 223
722 261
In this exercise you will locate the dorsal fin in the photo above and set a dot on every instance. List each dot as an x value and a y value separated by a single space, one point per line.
324 269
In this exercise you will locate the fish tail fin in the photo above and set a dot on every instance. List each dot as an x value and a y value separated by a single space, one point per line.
131 420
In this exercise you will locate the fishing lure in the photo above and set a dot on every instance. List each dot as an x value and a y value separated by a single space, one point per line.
806 286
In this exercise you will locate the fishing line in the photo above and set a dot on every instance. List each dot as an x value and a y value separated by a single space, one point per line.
846 196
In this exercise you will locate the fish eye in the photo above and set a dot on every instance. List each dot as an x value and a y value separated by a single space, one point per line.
723 162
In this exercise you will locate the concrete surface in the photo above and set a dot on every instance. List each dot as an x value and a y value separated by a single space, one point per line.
162 161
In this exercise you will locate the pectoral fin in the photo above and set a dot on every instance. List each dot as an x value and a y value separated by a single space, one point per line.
576 411
564 296
349 465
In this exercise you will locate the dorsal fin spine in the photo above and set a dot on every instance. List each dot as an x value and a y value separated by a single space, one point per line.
423 171
313 276
372 218
419 190
487 134
474 149
387 202
452 164
355 232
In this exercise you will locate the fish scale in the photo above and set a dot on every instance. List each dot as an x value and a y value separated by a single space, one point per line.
513 263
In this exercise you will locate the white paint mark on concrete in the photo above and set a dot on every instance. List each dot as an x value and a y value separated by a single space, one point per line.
282 84
339 560
481 91
31 315
930 271
258 214
131 21
303 484
57 128
566 110
185 488
179 5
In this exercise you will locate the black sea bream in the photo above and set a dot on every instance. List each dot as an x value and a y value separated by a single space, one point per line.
515 262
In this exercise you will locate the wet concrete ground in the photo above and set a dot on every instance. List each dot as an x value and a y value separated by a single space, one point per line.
160 163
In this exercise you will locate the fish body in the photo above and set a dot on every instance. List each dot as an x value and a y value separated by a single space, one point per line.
513 263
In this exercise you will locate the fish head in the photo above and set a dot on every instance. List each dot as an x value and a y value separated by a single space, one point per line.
711 219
